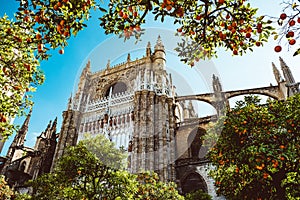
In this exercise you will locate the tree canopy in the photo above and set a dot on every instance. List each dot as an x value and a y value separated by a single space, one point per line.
26 40
105 151
257 153
79 174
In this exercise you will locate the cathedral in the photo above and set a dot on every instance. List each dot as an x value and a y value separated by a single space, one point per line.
136 106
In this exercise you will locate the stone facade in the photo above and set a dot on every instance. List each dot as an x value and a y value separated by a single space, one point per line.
132 105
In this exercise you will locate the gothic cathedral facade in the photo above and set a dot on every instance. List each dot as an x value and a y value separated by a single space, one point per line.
132 104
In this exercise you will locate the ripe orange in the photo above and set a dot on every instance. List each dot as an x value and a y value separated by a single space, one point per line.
292 42
292 22
37 18
169 7
266 175
38 36
283 16
121 13
58 28
278 48
62 22
290 34
3 118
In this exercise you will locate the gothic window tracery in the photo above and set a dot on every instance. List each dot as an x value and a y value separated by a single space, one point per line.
117 88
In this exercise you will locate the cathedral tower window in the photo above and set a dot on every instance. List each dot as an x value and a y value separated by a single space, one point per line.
117 88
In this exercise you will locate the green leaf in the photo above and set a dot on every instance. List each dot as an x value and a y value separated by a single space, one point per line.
297 52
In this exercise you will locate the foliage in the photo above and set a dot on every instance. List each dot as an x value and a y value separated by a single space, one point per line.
150 187
18 71
105 151
198 195
5 191
257 153
204 24
38 26
79 174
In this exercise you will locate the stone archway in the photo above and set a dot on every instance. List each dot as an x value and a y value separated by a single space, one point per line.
193 182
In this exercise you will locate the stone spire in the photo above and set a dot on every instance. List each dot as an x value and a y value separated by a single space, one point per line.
53 128
148 50
159 56
86 72
70 103
217 87
293 87
286 72
23 131
159 45
46 133
276 73
128 57
87 69
20 136
108 64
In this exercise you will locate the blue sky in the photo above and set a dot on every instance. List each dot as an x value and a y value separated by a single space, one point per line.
251 70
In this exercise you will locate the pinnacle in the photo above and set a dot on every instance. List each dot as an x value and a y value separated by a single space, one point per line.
159 44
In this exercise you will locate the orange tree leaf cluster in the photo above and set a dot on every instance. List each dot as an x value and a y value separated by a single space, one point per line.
205 25
257 153
39 25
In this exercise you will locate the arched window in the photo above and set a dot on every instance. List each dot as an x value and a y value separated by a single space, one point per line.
193 182
195 143
117 88
23 166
